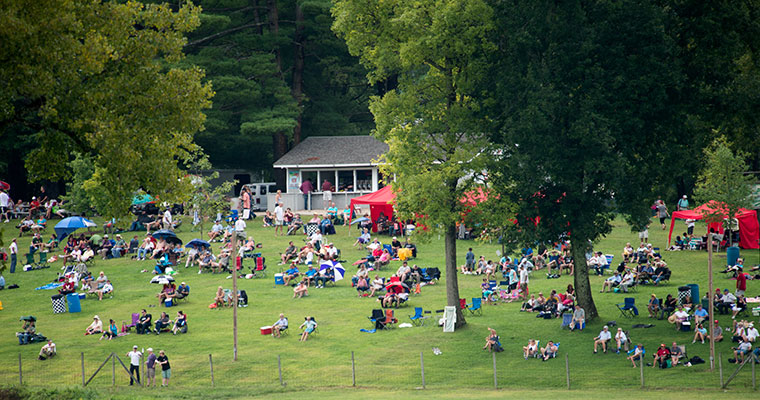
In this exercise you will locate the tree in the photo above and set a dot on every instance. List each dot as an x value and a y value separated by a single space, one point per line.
436 50
82 198
724 179
101 78
207 201
581 93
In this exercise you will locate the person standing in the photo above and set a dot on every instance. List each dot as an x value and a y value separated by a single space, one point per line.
327 189
134 365
469 260
306 188
167 219
662 213
14 254
240 229
5 205
166 369
150 368
524 280
246 200
683 204
279 218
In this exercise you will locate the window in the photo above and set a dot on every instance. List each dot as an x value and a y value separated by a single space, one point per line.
326 176
364 180
345 181
262 190
310 175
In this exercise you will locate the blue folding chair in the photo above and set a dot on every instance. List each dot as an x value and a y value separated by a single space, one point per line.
418 319
628 308
566 319
475 307
492 285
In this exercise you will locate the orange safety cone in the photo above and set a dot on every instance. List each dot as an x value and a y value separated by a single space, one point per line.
417 289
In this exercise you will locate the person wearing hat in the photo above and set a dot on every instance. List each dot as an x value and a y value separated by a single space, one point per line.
150 368
166 220
621 340
95 327
683 203
603 338
105 247
717 332
727 302
750 334
118 246
395 245
134 365
661 355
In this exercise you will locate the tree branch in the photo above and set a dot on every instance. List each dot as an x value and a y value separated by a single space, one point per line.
222 33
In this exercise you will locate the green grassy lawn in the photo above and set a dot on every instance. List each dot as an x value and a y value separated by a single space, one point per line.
387 360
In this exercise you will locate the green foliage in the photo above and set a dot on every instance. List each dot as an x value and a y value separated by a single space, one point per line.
205 199
78 198
100 78
724 180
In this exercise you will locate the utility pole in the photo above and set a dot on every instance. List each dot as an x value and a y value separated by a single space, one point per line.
710 300
234 255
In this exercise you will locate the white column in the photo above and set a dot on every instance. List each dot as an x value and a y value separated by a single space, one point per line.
374 179
354 180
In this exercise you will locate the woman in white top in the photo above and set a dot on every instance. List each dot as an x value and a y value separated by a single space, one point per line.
621 340
95 327
531 349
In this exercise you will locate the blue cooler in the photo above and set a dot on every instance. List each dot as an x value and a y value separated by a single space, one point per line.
278 279
168 302
73 300
694 293
82 296
732 254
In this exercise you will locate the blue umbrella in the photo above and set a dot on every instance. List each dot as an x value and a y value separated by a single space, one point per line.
362 219
337 268
163 234
198 243
68 225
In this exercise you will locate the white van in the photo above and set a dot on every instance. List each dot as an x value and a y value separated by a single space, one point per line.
259 194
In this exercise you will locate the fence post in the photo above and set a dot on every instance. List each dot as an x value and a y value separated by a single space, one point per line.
422 368
211 363
353 370
82 369
641 364
567 370
720 368
113 371
495 382
754 382
20 375
279 368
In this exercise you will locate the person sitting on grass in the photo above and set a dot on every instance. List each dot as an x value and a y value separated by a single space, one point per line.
162 323
531 304
636 354
492 340
47 351
661 356
279 326
531 350
611 282
111 332
621 340
27 332
308 326
700 333
180 323
95 327
717 332
301 289
603 338
579 319
549 351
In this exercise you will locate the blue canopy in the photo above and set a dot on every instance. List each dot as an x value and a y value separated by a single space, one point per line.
142 199
70 224
198 243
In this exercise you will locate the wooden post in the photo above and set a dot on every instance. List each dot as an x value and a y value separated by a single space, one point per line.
754 360
567 370
20 375
422 368
211 364
495 381
641 368
720 364
279 368
711 306
113 370
234 295
353 370
82 369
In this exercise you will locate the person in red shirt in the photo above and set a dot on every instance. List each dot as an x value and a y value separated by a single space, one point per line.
741 283
663 353
34 205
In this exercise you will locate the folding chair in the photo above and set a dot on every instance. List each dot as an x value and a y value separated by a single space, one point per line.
628 308
492 285
462 304
389 318
259 271
418 319
566 319
475 307
378 318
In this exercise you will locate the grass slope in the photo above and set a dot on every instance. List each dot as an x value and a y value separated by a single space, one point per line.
388 359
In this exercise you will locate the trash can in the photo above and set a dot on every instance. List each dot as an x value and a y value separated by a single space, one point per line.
683 293
59 305
74 305
694 293
278 279
732 254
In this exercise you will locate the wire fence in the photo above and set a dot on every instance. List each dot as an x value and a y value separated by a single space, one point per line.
359 369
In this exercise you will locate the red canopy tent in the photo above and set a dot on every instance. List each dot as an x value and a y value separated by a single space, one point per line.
749 229
379 202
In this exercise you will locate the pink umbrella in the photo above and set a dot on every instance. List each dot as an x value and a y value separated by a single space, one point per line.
5 186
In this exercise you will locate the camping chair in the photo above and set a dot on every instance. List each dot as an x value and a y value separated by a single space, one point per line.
628 308
462 304
418 319
566 319
475 307
389 318
259 271
609 258
378 318
125 327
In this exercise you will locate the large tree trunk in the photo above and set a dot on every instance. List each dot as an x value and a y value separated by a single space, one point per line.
583 292
452 282
298 66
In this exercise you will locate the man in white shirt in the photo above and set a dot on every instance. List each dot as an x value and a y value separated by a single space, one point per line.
524 280
751 334
726 302
167 219
598 262
332 252
611 282
240 228
14 254
279 218
47 351
603 338
5 206
525 262
134 365
316 239
107 288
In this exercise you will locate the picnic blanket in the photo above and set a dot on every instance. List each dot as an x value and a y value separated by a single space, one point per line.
50 286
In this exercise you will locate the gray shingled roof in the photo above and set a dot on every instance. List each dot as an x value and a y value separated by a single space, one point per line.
333 150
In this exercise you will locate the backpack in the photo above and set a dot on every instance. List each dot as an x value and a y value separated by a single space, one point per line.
697 360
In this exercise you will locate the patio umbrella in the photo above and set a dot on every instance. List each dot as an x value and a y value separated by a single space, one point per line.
337 268
358 220
142 199
198 243
5 186
28 318
173 240
397 287
162 279
68 225
163 234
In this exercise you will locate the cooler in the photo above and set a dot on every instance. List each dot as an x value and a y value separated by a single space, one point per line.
73 300
278 279
732 254
168 302
694 293
266 330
